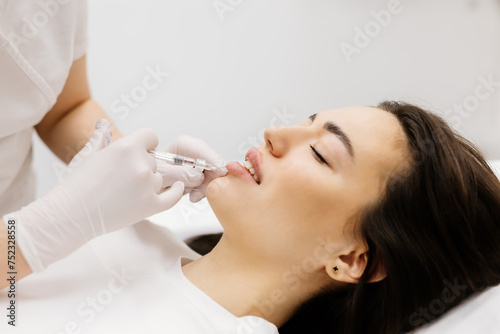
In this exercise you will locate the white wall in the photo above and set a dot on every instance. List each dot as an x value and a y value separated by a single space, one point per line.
228 78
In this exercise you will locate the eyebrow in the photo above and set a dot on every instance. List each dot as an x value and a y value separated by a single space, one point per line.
337 131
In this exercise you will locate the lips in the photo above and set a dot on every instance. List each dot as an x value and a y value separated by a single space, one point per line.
253 156
237 169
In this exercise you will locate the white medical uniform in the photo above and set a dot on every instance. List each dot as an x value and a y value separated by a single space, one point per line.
128 281
39 41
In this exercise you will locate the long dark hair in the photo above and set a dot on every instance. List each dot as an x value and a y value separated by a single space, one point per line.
435 231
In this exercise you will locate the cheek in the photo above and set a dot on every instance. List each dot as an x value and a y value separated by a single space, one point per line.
296 214
302 197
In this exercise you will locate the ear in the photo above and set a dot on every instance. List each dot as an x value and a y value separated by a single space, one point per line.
349 268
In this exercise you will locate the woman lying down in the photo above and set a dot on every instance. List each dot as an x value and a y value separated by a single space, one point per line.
356 221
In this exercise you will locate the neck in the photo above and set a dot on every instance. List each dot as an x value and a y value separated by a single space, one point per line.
246 285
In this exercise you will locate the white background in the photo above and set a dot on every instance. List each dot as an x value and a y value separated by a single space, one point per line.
229 77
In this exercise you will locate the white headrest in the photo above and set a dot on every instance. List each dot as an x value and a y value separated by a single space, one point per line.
495 165
478 314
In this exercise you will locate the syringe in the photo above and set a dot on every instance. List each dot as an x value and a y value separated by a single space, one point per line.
175 159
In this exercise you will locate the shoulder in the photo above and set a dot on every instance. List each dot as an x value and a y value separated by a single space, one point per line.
45 38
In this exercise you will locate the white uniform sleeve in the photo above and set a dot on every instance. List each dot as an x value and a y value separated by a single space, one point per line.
81 39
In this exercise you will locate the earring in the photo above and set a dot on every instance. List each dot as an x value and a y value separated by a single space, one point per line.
335 268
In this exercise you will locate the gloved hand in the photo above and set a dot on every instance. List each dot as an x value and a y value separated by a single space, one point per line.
194 180
105 187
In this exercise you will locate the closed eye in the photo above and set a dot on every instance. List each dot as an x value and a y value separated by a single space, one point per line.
318 156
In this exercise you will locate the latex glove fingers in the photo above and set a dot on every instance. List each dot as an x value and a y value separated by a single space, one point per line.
171 196
191 177
196 148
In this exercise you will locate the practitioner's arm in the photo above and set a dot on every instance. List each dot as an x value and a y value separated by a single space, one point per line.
105 188
69 124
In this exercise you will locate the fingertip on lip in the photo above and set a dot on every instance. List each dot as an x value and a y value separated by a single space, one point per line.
231 164
223 170
220 163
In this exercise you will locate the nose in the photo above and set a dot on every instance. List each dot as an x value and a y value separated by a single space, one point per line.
280 139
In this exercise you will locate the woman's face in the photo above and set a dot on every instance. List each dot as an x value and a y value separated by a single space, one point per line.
313 178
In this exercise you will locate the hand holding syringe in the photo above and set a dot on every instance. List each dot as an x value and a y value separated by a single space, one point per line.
190 152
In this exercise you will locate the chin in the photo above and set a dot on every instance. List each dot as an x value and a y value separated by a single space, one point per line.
215 189
224 195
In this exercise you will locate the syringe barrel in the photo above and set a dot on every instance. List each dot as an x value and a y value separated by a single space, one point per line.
176 159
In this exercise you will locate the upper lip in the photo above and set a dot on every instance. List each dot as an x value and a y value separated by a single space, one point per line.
255 157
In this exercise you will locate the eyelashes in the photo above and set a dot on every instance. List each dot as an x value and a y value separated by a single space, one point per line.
318 156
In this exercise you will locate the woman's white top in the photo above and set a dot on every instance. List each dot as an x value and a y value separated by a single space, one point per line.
39 40
128 281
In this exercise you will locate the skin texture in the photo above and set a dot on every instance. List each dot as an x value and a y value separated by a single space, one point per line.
65 129
284 237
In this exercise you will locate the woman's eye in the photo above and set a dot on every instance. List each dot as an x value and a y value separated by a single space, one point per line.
318 156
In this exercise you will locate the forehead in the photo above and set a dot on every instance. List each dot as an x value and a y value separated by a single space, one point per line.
367 117
377 137
362 122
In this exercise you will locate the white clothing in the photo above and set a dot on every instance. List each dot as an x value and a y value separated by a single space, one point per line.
128 281
39 40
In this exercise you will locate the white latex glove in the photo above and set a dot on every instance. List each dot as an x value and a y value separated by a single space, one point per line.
195 180
104 188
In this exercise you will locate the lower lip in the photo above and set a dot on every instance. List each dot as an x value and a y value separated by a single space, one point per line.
237 169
